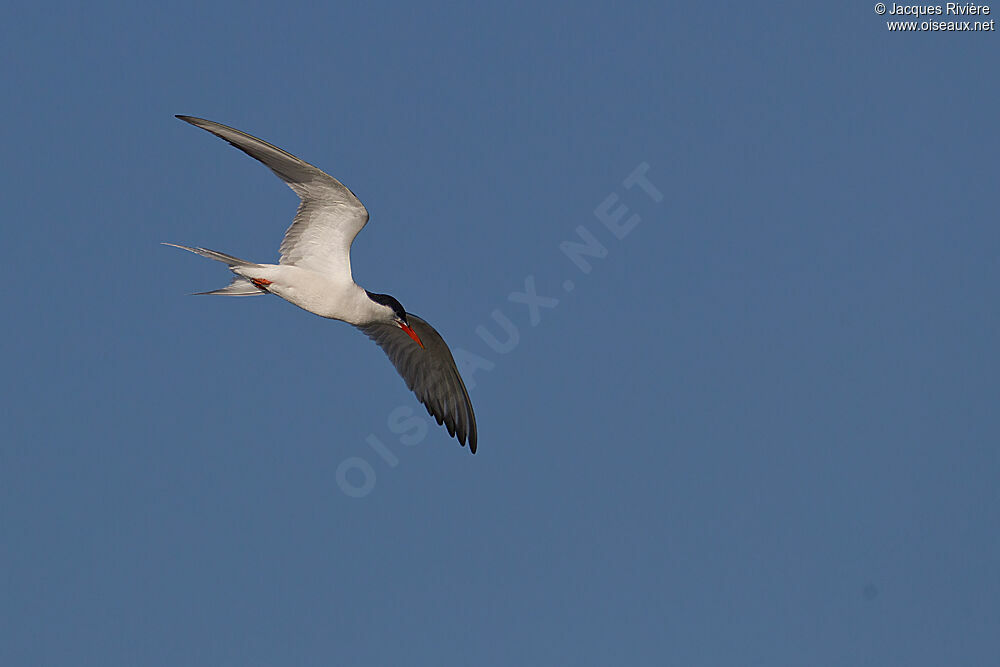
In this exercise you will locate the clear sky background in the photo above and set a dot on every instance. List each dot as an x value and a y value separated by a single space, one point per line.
761 430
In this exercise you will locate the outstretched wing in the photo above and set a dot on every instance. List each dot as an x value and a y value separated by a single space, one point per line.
430 373
329 217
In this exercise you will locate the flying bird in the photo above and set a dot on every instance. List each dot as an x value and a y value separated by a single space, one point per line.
314 273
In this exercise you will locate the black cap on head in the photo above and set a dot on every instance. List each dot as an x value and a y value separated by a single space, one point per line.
387 300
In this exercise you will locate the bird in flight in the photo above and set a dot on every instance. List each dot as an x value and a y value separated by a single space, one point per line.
314 273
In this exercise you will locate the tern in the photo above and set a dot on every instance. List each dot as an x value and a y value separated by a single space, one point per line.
314 273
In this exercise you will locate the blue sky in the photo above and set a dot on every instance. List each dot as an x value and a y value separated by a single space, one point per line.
757 431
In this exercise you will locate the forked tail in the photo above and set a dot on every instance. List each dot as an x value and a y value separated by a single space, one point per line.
240 285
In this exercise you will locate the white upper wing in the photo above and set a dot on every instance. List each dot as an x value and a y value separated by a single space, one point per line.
329 217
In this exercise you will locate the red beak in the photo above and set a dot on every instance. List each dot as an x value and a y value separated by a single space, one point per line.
410 332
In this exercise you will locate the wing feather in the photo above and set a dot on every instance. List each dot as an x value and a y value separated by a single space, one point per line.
430 373
329 217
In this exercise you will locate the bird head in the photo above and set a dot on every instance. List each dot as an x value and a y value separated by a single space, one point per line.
393 312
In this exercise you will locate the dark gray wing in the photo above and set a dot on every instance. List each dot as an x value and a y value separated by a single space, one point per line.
430 373
329 217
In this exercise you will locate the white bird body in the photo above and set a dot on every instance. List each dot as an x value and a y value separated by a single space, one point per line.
314 273
321 294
